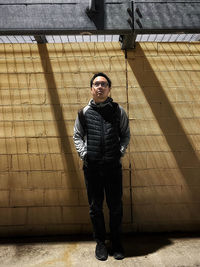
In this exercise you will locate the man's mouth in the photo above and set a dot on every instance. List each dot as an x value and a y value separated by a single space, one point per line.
100 92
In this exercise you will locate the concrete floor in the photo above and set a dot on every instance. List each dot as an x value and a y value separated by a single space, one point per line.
150 250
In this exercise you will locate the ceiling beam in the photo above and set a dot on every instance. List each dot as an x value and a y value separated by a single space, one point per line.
63 17
161 17
166 16
123 17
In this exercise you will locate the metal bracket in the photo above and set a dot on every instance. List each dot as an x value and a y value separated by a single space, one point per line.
95 12
128 41
92 6
91 10
40 39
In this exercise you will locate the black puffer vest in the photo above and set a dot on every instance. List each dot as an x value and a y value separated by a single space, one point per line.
103 134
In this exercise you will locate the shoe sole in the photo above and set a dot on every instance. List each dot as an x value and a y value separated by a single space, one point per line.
119 258
101 259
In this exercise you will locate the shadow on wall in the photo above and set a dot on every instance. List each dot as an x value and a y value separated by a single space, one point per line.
181 154
69 162
70 165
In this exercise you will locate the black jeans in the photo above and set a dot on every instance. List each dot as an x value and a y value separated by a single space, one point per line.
100 178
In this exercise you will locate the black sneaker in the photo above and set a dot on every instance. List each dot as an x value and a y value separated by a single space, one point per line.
118 252
101 252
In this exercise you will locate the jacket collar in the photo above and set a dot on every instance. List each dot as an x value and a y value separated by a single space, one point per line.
107 102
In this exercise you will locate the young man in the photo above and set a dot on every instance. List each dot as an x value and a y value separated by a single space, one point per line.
101 136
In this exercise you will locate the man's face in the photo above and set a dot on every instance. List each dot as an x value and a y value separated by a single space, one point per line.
100 89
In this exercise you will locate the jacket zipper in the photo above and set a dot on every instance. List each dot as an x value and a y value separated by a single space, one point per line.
102 138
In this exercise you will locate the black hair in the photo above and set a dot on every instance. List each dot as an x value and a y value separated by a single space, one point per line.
100 74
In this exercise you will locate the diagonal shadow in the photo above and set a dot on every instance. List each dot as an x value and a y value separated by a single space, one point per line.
68 160
181 147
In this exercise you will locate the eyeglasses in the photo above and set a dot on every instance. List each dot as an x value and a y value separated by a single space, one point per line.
103 84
